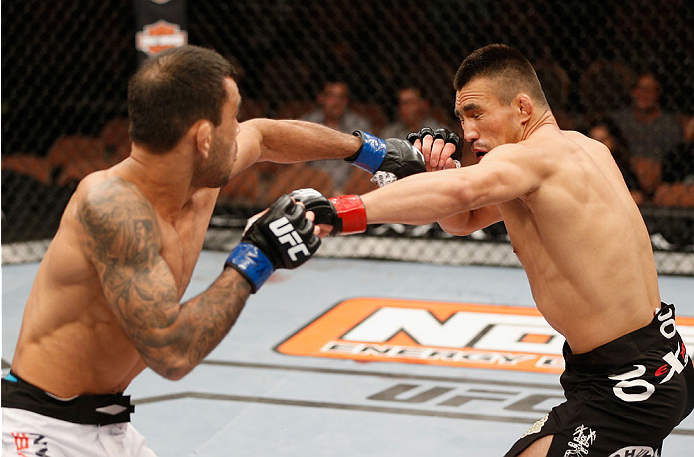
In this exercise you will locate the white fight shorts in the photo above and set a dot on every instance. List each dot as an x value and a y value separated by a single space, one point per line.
25 433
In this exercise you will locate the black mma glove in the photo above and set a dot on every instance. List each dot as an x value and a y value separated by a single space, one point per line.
280 238
446 135
346 213
394 157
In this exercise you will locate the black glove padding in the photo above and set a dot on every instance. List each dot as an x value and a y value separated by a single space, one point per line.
402 159
391 155
446 135
283 234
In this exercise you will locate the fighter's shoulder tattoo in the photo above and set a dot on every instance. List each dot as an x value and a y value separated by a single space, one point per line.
119 223
122 239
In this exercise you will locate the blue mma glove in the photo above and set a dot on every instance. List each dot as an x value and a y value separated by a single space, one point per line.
392 158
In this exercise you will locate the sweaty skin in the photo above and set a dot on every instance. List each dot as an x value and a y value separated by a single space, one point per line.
571 219
105 303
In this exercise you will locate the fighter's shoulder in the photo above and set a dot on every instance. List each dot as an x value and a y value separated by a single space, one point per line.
528 158
585 142
512 152
573 134
97 188
578 137
108 200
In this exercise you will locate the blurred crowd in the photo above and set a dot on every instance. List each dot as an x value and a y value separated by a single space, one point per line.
653 148
620 72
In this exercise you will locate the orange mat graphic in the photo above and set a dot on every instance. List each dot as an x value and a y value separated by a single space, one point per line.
439 333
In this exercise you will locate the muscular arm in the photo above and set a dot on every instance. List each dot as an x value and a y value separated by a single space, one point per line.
289 141
470 221
122 239
424 198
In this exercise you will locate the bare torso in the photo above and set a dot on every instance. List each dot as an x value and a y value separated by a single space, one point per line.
70 342
571 220
583 242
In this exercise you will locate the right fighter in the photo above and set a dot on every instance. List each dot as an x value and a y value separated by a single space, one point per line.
585 248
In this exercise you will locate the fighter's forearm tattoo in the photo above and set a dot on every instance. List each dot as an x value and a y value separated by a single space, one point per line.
123 240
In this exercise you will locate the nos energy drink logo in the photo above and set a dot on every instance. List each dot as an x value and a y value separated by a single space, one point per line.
454 334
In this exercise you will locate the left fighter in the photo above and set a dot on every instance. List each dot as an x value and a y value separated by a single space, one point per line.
105 302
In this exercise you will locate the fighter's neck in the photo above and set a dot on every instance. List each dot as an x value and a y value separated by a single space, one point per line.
165 180
535 123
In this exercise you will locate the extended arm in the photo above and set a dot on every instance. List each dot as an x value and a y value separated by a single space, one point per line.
502 176
289 141
463 199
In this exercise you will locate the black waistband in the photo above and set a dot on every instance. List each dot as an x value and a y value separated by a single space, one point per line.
627 347
85 409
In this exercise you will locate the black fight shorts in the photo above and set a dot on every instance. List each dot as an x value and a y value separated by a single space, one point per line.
622 398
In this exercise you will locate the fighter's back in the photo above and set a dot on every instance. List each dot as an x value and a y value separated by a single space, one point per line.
68 326
67 322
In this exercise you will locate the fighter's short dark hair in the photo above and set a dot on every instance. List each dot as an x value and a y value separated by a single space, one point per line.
507 66
173 90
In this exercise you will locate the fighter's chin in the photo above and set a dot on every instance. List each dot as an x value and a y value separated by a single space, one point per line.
225 180
214 182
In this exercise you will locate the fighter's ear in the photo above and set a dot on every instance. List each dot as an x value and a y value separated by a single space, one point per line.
525 107
203 130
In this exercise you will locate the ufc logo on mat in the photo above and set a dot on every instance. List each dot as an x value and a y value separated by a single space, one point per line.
285 233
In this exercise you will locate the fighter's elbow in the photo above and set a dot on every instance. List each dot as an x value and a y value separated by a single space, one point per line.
172 371
175 375
168 362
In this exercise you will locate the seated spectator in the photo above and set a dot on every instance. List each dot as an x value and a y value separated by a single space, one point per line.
374 114
677 188
607 132
650 132
413 114
603 88
334 112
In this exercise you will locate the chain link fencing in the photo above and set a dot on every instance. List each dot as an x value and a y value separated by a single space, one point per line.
621 72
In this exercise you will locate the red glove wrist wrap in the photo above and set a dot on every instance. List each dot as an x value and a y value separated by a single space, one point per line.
350 209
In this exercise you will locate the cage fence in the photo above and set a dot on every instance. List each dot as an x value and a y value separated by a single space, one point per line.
379 65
